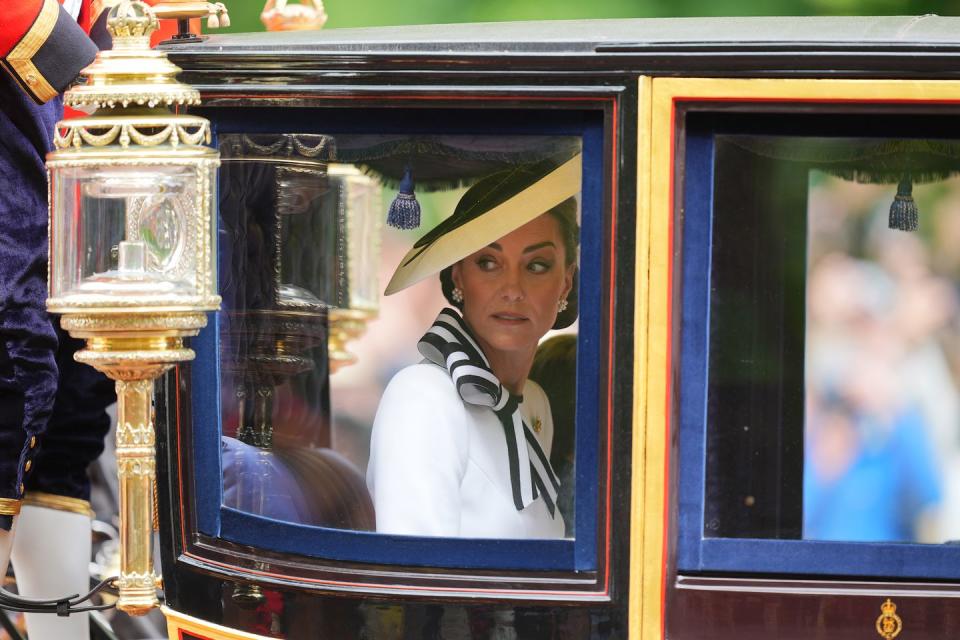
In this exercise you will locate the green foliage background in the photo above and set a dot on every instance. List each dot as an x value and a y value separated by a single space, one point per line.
245 14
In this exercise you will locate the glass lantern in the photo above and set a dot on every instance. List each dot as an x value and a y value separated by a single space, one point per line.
129 236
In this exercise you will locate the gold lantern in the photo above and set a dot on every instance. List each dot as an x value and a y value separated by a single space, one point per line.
278 15
132 255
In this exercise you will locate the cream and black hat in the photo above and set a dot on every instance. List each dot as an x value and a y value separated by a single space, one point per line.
489 210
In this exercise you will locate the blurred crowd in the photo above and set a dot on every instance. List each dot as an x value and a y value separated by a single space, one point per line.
882 442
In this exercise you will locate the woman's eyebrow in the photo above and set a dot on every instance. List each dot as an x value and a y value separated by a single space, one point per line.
539 245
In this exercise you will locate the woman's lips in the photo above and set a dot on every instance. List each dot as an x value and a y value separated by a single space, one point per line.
509 318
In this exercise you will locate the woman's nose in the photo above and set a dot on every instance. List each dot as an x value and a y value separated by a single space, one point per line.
512 289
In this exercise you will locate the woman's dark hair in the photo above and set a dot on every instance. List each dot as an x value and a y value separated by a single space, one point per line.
565 214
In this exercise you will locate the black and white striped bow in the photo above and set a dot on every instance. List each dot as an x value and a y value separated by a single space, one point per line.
449 344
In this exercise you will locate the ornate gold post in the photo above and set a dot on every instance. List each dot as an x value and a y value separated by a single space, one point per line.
134 352
137 471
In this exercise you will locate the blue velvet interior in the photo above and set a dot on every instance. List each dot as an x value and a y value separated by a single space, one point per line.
205 406
205 409
825 558
379 548
587 467
695 344
580 554
696 553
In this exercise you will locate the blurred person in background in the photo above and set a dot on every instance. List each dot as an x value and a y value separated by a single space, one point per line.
555 369
871 473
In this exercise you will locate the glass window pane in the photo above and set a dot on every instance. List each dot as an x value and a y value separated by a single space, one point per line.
309 345
835 341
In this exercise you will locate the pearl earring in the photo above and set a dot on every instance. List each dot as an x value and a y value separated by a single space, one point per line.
457 295
562 305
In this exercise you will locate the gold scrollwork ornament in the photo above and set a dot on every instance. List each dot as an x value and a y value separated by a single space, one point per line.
889 625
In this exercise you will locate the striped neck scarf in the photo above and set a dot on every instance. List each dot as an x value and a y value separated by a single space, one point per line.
449 344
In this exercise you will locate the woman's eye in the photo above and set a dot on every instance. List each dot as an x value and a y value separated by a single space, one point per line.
539 266
486 263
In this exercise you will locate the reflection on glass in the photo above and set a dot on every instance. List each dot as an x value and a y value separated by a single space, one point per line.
308 344
284 231
835 341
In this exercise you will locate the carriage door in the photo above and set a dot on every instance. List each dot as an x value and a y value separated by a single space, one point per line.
803 401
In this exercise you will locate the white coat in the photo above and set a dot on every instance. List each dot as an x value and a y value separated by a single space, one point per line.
439 467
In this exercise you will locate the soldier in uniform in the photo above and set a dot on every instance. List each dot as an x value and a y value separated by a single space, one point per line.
52 409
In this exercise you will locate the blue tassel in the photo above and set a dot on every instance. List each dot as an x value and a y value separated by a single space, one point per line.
903 212
404 211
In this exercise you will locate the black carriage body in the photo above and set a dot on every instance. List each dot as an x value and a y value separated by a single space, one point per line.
597 71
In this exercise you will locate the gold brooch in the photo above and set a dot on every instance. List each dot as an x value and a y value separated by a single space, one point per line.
537 424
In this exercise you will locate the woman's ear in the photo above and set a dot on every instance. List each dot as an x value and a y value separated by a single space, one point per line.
456 276
568 279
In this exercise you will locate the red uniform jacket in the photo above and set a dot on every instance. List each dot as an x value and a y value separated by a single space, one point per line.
44 44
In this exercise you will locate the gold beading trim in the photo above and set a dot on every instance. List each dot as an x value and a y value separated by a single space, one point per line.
60 503
127 323
137 95
9 506
141 157
132 358
123 131
173 323
144 581
105 304
21 58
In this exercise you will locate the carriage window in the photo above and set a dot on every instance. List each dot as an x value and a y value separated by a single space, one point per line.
832 411
346 409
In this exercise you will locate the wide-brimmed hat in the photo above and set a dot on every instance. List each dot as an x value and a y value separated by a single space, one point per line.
489 210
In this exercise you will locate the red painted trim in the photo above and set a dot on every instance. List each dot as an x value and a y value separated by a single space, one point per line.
668 376
180 633
610 329
677 99
394 97
183 513
607 543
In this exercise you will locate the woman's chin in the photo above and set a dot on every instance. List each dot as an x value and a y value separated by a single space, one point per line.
512 337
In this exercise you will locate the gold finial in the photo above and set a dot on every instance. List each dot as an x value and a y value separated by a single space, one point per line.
277 15
131 74
889 625
131 20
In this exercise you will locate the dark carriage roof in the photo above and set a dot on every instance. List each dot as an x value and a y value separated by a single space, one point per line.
589 36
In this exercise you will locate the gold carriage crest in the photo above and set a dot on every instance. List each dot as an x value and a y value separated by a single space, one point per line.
889 624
